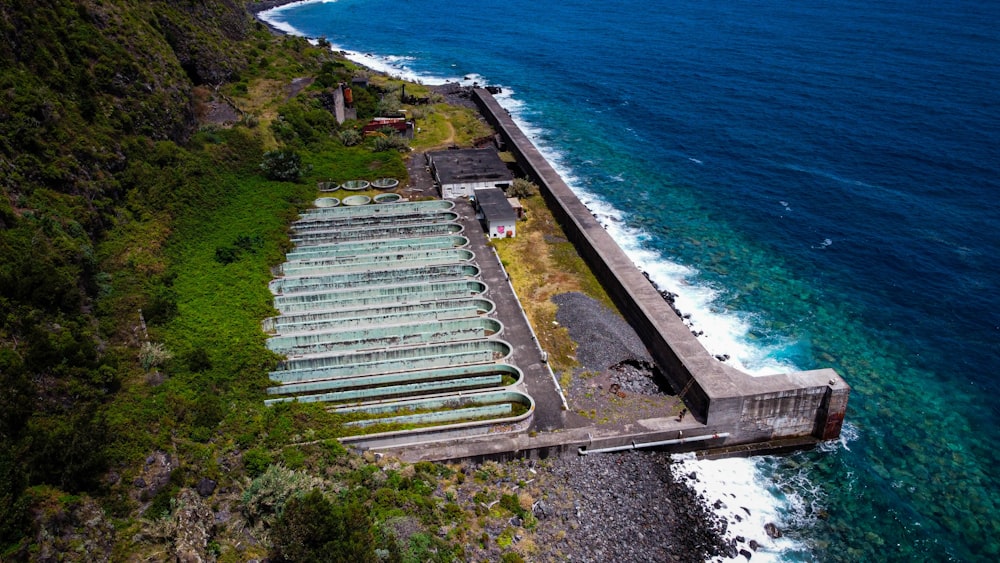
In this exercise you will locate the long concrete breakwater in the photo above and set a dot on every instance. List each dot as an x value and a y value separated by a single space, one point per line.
733 408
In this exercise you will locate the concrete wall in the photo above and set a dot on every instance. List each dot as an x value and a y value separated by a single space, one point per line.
751 409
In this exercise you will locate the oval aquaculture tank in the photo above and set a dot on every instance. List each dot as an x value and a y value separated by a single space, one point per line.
387 198
357 200
356 185
386 183
327 202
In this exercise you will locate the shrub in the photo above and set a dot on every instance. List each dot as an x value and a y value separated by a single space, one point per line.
350 137
522 187
198 360
391 143
153 355
314 529
255 461
388 105
268 494
284 165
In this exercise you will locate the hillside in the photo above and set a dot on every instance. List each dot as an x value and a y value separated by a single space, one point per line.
131 357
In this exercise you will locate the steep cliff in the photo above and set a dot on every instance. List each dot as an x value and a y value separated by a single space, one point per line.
89 90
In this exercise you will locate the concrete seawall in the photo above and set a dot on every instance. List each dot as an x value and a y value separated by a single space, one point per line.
745 408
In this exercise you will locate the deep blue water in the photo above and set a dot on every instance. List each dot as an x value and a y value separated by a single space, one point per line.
820 181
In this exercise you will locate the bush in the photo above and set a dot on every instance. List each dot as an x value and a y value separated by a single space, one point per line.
267 495
284 165
391 143
522 188
314 529
350 137
255 461
153 355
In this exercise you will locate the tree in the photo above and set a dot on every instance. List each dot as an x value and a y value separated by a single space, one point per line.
284 165
313 529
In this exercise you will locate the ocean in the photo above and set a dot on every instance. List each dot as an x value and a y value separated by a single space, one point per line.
820 184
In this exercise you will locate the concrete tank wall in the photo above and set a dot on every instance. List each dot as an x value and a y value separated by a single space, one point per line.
755 408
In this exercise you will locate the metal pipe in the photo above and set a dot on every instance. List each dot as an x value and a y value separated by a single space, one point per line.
634 446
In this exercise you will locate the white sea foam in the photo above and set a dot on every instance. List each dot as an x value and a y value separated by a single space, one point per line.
737 490
392 65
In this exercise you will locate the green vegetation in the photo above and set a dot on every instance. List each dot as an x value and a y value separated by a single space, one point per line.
522 188
137 229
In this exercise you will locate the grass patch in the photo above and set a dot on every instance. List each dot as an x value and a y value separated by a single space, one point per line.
443 125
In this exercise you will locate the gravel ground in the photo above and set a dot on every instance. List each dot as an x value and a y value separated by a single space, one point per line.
604 339
617 381
612 507
607 507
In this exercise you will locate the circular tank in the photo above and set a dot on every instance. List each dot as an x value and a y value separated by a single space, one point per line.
327 202
387 198
357 200
386 183
355 185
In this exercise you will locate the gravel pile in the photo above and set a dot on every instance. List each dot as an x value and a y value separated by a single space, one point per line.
635 377
605 338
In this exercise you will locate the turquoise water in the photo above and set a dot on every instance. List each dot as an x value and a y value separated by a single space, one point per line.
818 181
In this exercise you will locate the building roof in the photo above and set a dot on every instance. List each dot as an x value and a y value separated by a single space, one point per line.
494 204
466 166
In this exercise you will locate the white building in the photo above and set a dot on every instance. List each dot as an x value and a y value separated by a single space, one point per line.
459 172
498 217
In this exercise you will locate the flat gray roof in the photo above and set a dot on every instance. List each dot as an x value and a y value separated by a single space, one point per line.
462 166
494 204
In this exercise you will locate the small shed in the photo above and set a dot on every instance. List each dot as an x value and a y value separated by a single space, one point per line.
498 217
461 171
400 125
515 204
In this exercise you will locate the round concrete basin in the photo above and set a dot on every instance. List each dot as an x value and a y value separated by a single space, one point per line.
387 198
386 183
357 200
355 185
327 202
